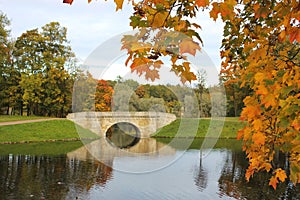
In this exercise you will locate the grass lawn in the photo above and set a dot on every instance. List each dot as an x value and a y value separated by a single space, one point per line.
11 118
199 128
54 130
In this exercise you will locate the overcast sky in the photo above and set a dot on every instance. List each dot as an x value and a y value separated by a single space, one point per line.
90 25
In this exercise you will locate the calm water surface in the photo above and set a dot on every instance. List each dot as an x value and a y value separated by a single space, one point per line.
177 174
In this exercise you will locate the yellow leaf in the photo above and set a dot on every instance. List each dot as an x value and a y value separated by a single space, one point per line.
259 77
257 124
267 166
159 19
280 174
282 36
269 100
189 46
262 90
119 4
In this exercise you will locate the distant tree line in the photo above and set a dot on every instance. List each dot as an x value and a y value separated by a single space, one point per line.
128 95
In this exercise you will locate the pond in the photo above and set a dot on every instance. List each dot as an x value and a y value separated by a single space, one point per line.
33 171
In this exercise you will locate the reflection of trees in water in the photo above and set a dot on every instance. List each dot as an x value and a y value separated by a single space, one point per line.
200 177
49 177
232 182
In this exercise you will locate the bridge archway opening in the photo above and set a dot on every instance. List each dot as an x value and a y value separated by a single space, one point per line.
123 135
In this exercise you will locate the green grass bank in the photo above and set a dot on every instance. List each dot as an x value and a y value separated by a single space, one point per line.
201 128
12 118
45 131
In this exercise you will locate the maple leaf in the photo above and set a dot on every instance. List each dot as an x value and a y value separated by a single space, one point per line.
119 4
249 173
262 90
159 19
280 174
267 166
296 124
215 10
202 3
269 100
152 74
189 46
259 138
140 65
257 124
273 182
68 1
294 34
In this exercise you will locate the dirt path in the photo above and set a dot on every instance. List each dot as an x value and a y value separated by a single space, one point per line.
27 121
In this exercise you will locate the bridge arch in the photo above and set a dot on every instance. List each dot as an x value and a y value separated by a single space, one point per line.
123 135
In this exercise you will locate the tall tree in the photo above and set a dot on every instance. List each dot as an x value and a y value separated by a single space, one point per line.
29 63
41 59
58 84
5 61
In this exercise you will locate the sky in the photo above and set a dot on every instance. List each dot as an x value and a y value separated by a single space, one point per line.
96 24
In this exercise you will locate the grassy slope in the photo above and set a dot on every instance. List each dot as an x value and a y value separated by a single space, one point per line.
188 128
42 131
11 118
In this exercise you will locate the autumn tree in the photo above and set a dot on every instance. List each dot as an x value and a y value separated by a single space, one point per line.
260 48
103 96
40 59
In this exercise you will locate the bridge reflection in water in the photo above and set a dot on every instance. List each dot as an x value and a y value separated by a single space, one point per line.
146 149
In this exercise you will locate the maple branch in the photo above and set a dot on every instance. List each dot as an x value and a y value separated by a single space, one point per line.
169 13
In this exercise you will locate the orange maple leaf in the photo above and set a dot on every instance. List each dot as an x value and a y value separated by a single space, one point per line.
262 90
202 3
215 10
296 124
249 173
273 182
68 1
259 138
189 46
294 34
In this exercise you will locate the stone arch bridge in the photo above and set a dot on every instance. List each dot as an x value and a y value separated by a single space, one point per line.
99 122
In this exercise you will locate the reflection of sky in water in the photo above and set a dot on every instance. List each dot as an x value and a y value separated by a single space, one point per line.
177 181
